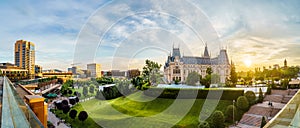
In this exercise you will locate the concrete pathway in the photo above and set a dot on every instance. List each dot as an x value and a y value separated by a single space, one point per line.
252 118
53 119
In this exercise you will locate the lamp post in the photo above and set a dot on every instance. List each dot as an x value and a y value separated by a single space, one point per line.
233 111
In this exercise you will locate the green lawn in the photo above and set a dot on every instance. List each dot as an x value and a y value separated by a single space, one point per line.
129 112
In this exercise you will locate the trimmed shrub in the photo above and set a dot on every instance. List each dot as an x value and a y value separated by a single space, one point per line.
242 103
229 113
269 91
218 120
260 96
263 122
250 95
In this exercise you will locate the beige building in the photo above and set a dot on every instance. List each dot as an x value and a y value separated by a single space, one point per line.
25 56
178 67
13 72
94 69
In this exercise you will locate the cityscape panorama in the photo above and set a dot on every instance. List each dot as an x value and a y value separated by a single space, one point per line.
150 64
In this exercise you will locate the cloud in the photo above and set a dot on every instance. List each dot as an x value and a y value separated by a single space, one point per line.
264 31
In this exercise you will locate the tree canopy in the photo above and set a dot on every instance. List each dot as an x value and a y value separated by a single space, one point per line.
193 78
82 116
150 67
73 113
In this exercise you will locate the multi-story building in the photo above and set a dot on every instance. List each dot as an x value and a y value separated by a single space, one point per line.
13 72
25 56
133 73
178 67
95 70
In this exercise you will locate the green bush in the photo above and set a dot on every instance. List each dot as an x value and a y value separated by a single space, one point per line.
263 122
269 90
260 96
250 95
85 91
229 113
218 120
242 103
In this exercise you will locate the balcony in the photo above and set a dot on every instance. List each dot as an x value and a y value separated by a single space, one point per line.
14 111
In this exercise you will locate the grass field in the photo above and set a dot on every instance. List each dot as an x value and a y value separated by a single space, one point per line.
130 112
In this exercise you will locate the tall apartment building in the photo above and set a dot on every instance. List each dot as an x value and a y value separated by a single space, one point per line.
25 56
95 69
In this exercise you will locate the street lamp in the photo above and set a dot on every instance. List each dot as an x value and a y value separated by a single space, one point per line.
233 111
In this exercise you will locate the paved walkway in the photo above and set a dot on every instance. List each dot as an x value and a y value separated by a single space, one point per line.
53 119
252 118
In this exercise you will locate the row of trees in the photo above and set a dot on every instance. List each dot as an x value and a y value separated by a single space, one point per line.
88 89
122 88
271 74
64 106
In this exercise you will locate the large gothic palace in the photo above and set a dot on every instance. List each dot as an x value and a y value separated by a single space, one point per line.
178 67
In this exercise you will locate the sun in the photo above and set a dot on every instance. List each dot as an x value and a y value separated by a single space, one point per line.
247 62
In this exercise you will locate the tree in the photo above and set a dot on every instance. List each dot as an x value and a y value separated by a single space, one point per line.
150 67
193 78
209 71
70 92
242 103
65 102
138 82
215 79
203 124
263 122
229 113
72 101
269 91
66 109
260 96
82 116
77 99
233 75
85 91
250 95
58 105
218 119
75 93
92 88
206 81
73 113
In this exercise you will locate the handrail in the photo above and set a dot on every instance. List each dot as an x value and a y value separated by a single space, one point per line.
16 112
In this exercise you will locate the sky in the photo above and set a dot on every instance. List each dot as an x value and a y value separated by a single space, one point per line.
122 34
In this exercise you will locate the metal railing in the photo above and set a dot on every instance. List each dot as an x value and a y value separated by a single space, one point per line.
15 112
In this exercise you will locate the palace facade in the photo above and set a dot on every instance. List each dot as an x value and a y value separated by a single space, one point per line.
178 67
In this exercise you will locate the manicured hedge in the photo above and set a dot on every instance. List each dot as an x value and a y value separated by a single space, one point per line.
173 93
